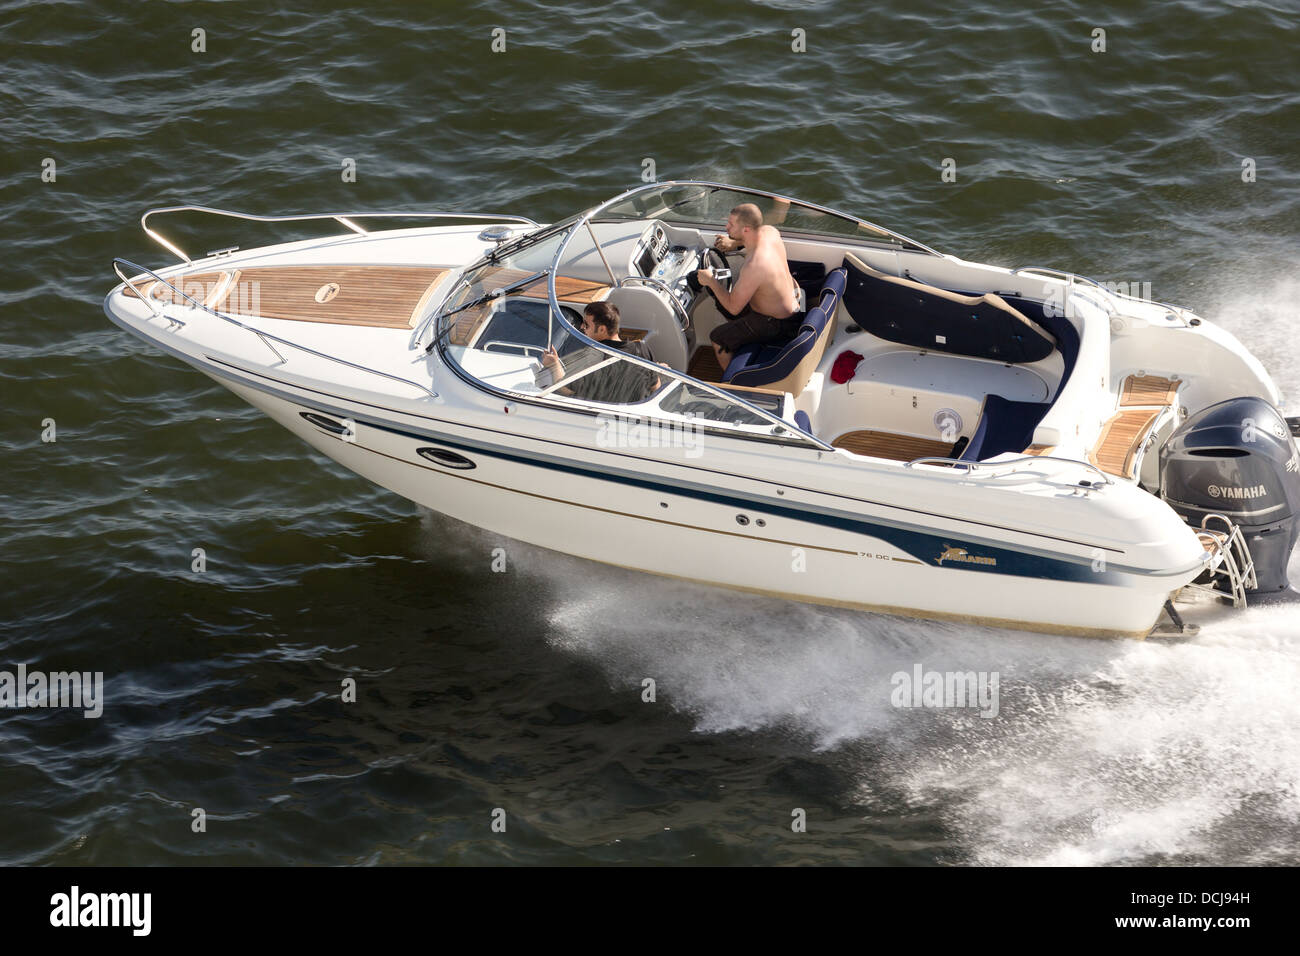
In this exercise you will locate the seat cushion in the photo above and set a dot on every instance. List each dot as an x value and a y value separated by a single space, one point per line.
1004 426
928 317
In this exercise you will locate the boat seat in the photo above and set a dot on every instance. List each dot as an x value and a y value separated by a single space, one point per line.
927 317
1004 426
788 367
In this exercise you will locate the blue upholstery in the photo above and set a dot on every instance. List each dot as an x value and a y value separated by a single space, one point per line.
759 365
1067 337
1004 426
802 420
924 316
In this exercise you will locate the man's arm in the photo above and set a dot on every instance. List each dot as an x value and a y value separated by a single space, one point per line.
725 243
551 360
735 300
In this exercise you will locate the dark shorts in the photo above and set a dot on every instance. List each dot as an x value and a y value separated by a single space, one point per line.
752 327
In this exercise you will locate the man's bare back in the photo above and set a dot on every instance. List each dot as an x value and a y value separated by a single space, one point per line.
767 267
765 284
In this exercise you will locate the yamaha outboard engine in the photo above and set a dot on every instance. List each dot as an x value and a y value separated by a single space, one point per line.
1237 459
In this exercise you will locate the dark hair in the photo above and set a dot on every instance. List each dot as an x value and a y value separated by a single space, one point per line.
604 314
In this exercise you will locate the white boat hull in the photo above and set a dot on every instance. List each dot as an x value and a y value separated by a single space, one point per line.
680 535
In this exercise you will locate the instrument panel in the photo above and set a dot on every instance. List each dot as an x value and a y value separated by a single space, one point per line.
655 257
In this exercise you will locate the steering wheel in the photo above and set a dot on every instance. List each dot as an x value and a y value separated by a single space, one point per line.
711 258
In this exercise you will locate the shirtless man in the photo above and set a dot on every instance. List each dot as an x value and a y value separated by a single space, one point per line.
765 300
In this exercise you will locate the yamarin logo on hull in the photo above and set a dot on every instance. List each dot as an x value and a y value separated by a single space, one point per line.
1232 491
962 556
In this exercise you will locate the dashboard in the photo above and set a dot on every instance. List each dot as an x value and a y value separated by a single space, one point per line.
655 257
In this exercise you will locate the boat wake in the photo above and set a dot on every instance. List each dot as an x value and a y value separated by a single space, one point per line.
1102 752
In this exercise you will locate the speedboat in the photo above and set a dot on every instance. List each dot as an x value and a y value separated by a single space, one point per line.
1015 447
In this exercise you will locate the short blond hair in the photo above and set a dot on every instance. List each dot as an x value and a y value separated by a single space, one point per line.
748 215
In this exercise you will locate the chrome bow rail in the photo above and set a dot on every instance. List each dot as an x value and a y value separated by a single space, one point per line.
266 337
1007 467
345 219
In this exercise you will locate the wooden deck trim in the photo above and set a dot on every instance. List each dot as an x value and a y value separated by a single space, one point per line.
428 294
570 289
219 291
704 365
211 283
1040 449
368 295
892 445
1149 390
1121 436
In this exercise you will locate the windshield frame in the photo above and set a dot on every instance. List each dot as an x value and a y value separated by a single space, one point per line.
908 244
556 312
781 430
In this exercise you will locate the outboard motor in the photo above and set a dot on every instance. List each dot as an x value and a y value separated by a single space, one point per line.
1237 458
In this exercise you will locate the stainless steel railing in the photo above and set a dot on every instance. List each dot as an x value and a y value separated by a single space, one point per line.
345 219
684 319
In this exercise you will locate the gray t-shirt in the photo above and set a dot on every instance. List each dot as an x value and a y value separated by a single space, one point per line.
620 383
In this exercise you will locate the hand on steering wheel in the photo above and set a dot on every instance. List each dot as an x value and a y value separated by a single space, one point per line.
711 258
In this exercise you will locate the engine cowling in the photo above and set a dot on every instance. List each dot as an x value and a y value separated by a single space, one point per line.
1237 458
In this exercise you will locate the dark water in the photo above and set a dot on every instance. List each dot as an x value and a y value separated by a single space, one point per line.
521 690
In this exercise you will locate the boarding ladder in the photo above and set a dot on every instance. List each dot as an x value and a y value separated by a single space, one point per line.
1232 569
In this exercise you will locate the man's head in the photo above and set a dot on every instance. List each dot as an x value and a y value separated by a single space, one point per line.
600 321
744 222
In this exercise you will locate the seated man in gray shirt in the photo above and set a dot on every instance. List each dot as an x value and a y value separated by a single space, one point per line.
619 383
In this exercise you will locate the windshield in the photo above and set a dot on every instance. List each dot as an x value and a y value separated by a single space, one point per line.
512 325
711 203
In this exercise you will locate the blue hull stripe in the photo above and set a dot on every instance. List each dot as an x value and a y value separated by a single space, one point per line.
926 547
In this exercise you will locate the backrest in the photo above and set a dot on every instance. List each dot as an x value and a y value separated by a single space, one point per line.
1084 400
939 320
1004 426
791 367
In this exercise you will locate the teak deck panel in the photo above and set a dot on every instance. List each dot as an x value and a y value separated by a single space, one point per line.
892 445
1123 434
704 365
1149 390
199 285
378 296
